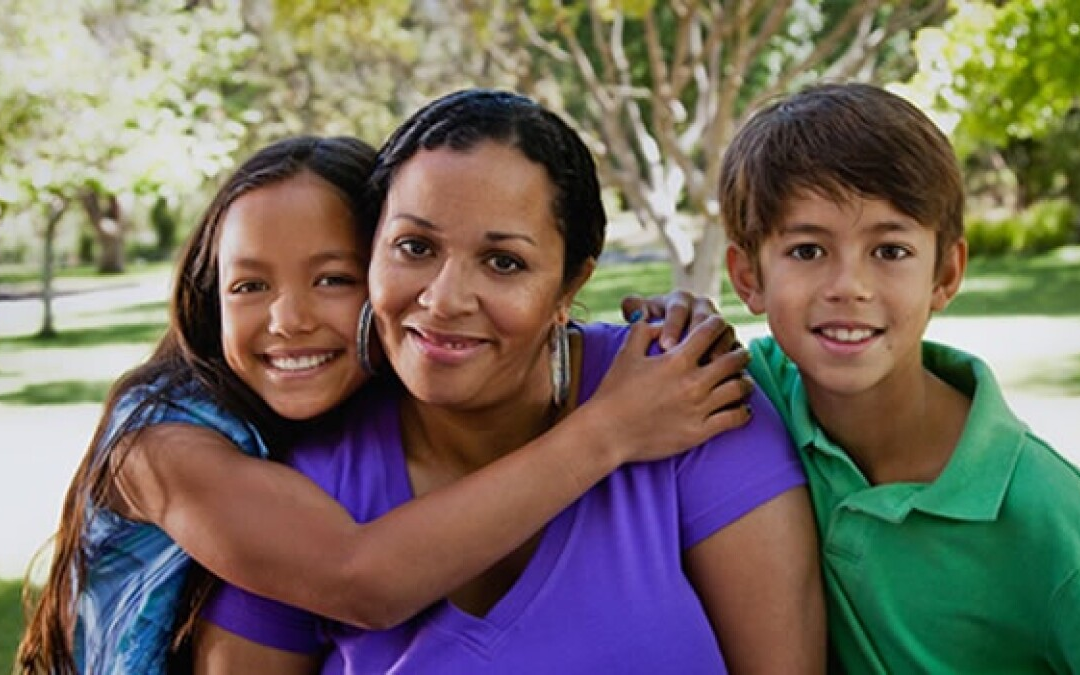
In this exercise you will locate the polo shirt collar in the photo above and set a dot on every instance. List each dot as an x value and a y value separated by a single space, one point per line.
974 482
976 479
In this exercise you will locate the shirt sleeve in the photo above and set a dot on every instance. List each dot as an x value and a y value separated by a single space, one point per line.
733 473
264 621
138 409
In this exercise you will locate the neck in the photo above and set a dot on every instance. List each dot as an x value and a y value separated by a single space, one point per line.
904 430
470 439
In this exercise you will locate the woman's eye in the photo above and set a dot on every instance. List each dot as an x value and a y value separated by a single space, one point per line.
336 280
891 252
414 248
505 264
241 287
806 252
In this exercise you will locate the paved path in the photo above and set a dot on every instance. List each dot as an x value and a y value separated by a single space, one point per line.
40 447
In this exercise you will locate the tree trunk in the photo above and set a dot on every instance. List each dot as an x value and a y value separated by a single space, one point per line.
104 214
55 211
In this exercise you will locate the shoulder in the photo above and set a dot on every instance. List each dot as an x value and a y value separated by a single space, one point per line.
733 473
186 402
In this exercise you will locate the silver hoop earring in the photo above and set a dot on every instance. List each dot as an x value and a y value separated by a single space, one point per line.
363 338
560 365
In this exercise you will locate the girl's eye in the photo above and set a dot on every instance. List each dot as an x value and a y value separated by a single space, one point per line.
806 252
413 248
241 287
505 264
891 252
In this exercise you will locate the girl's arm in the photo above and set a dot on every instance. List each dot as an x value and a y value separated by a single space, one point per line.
760 582
220 651
269 530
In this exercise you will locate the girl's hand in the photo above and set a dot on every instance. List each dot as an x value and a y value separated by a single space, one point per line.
680 311
651 407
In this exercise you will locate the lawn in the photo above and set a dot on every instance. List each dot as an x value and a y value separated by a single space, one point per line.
11 622
1023 315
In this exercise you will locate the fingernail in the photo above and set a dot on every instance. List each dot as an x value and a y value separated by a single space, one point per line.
636 316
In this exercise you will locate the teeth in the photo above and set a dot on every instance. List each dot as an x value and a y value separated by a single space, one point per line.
300 362
454 344
848 334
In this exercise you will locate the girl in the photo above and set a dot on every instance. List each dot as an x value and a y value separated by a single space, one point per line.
261 347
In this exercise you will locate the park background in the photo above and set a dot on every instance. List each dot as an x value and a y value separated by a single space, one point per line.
118 118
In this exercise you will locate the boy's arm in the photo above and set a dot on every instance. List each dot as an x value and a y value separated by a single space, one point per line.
270 530
759 580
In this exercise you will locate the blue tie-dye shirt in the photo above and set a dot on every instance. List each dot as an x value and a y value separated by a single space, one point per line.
135 572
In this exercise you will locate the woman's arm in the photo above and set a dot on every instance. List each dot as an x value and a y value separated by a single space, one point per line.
760 582
269 530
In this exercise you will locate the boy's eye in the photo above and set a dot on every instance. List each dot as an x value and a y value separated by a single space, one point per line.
413 248
241 287
505 264
806 252
891 252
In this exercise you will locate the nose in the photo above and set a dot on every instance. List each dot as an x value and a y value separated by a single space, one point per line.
849 280
290 315
450 292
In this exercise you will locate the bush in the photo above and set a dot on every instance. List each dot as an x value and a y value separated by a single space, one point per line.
1043 226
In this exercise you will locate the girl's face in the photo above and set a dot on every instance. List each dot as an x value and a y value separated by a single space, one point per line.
291 271
466 276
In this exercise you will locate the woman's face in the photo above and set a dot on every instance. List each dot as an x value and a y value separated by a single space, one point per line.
466 276
290 266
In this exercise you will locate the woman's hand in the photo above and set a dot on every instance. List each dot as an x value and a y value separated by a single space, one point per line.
680 311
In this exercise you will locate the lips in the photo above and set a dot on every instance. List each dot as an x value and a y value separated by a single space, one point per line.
445 348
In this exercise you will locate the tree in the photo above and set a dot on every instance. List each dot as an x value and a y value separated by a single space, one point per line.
115 98
1003 79
111 98
658 88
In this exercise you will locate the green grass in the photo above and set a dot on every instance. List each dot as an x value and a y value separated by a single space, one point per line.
59 393
599 299
95 336
11 622
1044 285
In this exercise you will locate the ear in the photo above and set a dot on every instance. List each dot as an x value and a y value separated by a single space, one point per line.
744 277
949 275
571 288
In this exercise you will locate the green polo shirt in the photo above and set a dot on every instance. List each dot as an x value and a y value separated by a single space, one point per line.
976 572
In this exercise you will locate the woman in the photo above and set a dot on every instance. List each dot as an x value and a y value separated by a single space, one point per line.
491 221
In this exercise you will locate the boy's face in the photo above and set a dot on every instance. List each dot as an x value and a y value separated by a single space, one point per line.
848 290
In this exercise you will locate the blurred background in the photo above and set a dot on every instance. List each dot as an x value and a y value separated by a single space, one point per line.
118 118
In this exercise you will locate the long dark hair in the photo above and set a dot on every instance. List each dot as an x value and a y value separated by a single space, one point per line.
190 351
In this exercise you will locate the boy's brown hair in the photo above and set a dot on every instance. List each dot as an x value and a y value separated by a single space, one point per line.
840 141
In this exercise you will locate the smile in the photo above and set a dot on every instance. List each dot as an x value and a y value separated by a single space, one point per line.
847 335
298 363
445 348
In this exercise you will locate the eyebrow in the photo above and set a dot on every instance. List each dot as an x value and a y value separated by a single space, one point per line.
881 226
491 235
317 259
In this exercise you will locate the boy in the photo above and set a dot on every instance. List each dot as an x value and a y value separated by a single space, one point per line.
950 534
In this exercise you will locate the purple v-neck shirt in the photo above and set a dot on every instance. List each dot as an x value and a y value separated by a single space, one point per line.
605 590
